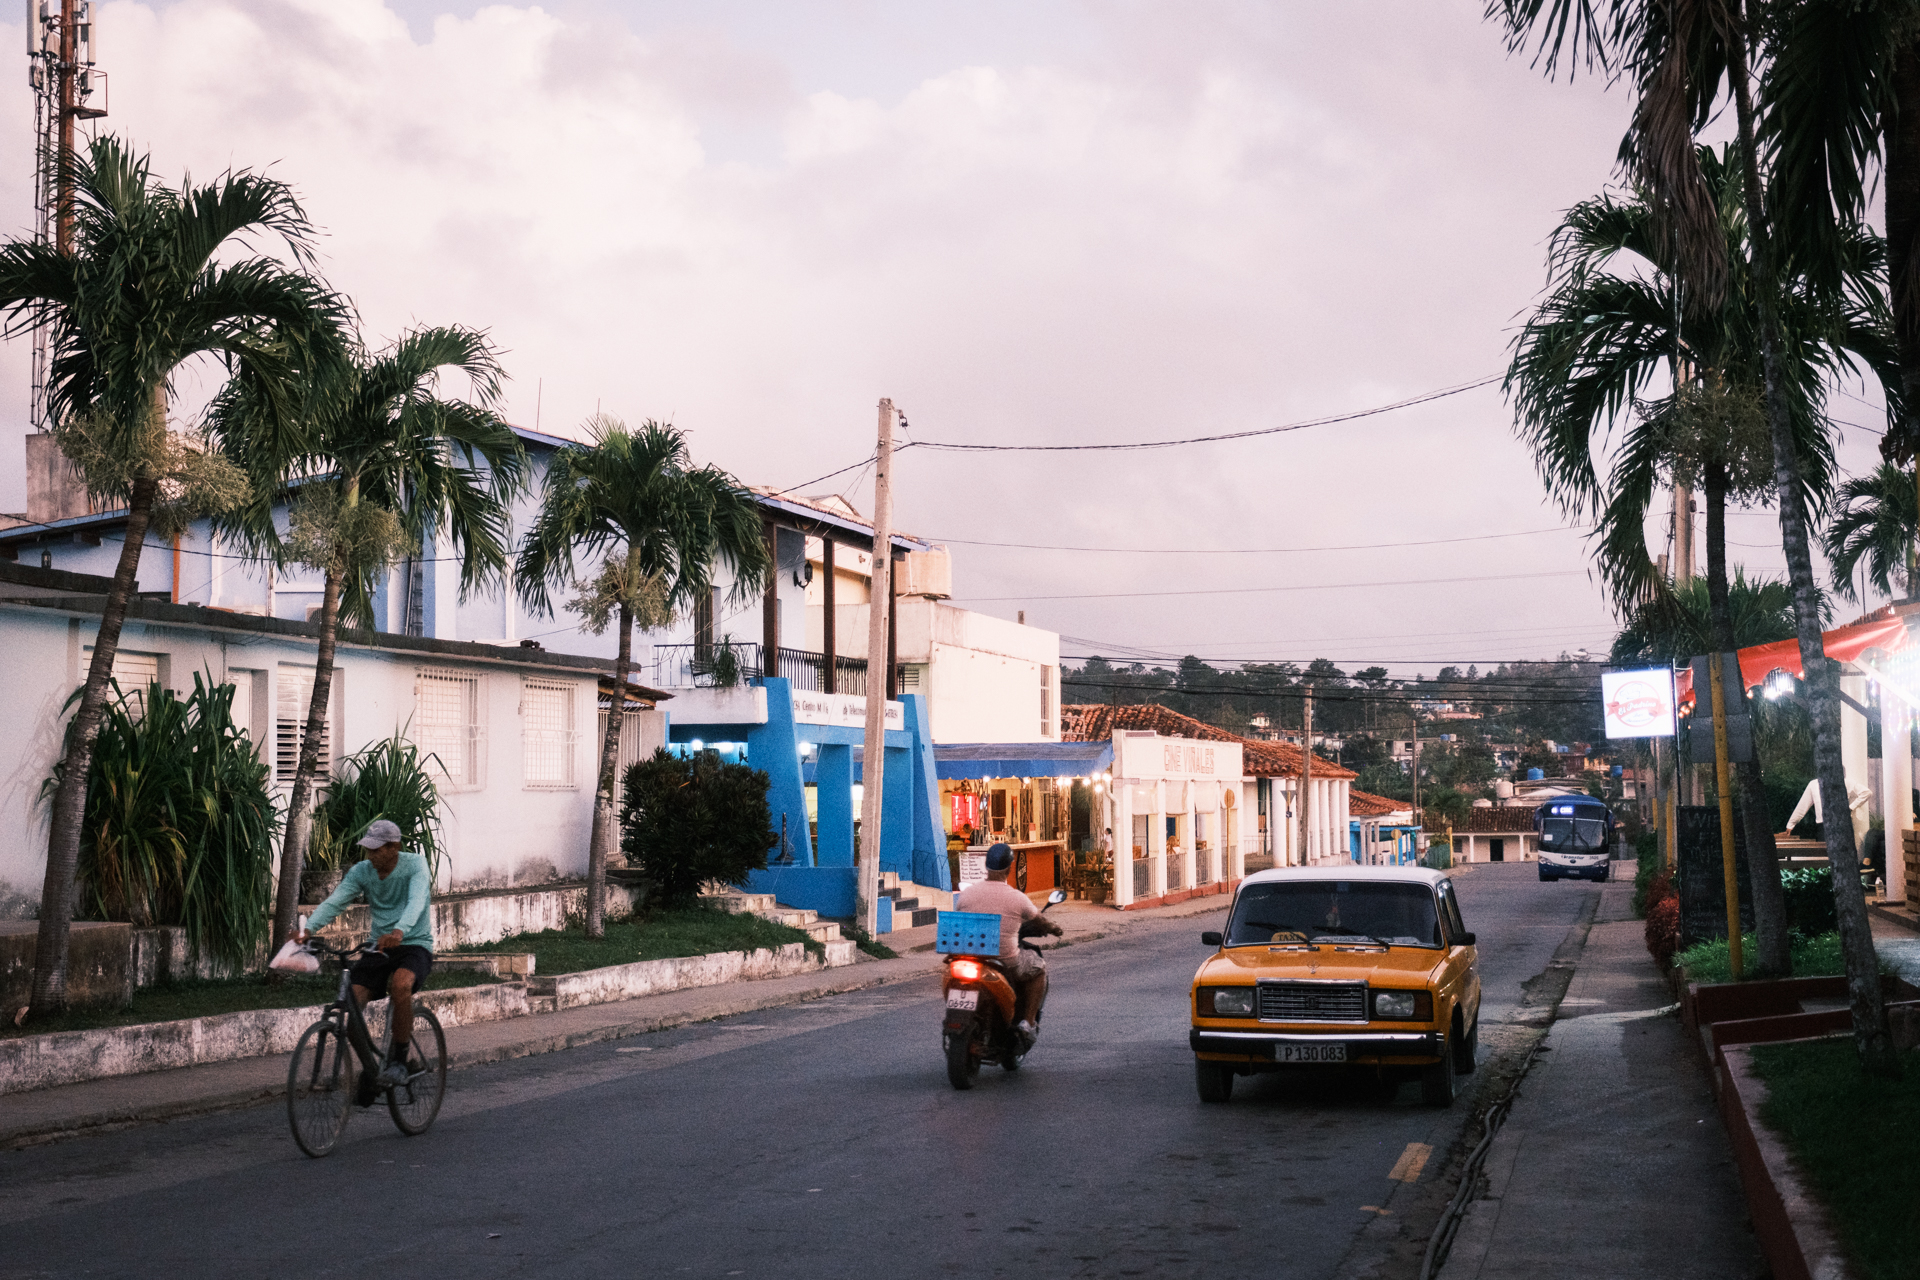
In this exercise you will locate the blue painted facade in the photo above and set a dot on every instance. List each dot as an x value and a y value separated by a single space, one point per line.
819 874
1404 837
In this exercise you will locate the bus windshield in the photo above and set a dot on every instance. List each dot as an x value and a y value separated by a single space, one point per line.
1316 910
1573 835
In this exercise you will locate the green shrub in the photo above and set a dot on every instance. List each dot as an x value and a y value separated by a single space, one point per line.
180 824
390 780
1812 957
689 820
1663 927
1809 894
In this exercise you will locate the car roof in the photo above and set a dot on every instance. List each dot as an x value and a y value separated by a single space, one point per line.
1348 871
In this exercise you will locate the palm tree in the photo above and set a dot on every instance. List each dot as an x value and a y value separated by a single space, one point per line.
386 459
140 295
1875 520
1761 610
1617 327
657 523
1682 59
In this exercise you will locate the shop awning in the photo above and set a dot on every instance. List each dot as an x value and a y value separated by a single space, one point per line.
1842 644
1021 759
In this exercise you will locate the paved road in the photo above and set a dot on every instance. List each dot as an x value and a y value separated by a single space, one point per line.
819 1140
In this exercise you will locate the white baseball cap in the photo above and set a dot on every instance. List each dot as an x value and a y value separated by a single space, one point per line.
380 832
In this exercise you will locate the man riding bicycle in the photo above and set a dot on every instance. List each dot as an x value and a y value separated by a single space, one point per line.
399 891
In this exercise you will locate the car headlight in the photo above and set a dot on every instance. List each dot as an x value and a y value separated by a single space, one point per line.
1403 1006
1226 1002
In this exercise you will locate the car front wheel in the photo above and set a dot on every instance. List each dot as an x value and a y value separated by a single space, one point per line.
1214 1081
1437 1086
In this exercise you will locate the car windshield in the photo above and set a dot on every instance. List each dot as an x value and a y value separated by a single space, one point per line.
1311 910
1573 835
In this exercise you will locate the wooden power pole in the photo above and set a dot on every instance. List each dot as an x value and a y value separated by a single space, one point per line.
872 789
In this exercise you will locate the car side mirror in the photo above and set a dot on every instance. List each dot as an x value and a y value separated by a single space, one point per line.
1211 938
1466 940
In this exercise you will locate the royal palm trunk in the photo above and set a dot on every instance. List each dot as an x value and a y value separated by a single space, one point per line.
293 850
1822 681
70 799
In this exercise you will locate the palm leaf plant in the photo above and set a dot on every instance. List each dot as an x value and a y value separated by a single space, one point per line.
657 525
389 779
1876 519
180 820
1685 60
1616 349
156 279
385 459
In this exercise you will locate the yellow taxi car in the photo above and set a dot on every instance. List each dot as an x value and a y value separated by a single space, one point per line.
1370 968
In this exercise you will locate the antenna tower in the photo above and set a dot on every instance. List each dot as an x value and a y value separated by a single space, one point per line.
62 46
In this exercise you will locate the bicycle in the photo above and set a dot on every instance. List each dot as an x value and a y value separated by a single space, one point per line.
323 1087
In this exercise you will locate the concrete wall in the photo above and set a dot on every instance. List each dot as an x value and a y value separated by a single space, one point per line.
499 830
981 675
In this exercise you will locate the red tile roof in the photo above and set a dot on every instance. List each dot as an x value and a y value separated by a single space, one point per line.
1494 822
1096 721
1364 804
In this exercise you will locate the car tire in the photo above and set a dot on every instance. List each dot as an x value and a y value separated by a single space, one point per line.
1214 1081
1466 1051
1437 1087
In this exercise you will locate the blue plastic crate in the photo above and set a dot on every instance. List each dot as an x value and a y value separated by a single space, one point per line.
967 933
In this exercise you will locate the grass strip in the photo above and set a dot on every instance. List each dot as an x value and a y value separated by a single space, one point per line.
201 998
1856 1140
1815 957
663 935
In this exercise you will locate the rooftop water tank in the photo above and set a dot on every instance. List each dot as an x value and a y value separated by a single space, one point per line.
1503 789
1478 804
1534 775
1617 770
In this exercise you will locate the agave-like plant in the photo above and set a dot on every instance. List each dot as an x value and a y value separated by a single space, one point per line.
389 779
180 821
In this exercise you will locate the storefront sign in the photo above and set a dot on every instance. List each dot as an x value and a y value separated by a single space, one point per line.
973 869
1143 757
842 710
1638 704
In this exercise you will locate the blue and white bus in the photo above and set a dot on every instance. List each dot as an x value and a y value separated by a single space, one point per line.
1576 838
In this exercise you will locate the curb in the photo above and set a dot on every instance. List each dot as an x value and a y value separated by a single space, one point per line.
1790 1224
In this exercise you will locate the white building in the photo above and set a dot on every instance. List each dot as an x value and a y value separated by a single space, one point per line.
513 727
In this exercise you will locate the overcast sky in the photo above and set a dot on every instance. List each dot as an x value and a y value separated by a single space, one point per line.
1042 222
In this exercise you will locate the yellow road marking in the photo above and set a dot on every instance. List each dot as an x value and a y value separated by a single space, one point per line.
1407 1168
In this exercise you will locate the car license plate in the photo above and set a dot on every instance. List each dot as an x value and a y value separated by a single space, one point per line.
963 999
1310 1052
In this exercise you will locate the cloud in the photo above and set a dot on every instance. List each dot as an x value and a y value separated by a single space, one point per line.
1140 222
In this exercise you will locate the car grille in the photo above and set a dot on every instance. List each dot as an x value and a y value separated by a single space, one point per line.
1313 1001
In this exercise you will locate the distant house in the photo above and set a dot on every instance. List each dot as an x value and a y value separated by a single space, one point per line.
1496 835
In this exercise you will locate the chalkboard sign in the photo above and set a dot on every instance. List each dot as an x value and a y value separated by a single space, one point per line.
1701 874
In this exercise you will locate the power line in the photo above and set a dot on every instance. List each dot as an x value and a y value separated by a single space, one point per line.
1238 591
1261 551
1425 398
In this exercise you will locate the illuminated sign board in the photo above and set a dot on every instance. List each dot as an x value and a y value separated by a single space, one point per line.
1638 704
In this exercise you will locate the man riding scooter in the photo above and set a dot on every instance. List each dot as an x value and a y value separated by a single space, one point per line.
1025 968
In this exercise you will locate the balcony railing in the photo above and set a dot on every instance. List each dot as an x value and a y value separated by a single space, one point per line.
683 666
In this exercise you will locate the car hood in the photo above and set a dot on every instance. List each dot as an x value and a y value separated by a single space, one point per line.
1244 964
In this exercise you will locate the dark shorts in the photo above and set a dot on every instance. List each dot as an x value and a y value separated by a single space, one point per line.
374 968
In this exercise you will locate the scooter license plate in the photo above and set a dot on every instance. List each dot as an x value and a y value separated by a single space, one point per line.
1310 1053
963 999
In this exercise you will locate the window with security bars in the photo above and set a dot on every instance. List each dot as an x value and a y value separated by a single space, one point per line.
547 733
1046 702
293 695
447 725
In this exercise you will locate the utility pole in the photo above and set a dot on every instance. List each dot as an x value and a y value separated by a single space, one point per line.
1306 776
61 42
1416 774
873 764
1682 536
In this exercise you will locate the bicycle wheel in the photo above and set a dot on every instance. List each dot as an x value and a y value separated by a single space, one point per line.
320 1088
415 1103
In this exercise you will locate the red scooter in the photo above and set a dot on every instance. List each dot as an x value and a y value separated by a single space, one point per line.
981 1003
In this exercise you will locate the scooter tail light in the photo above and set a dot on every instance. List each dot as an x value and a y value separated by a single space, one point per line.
965 970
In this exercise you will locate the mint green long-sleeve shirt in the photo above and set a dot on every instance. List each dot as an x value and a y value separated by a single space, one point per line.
403 901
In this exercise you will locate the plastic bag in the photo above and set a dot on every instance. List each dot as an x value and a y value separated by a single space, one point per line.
294 958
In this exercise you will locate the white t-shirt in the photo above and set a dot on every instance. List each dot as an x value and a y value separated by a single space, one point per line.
997 897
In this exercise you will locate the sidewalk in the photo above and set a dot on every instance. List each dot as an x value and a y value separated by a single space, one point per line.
46 1114
1613 1161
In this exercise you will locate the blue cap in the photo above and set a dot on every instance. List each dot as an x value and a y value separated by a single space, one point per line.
1000 857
